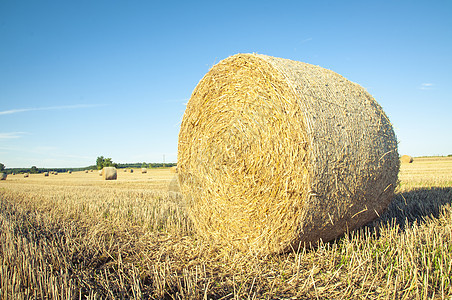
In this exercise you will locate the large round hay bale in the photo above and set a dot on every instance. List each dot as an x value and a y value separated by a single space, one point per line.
275 153
173 169
100 172
109 173
46 174
86 171
131 170
26 175
144 170
3 176
406 159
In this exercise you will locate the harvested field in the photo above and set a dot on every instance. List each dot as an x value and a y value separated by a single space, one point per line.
73 235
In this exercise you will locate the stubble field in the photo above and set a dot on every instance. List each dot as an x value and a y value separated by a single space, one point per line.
76 236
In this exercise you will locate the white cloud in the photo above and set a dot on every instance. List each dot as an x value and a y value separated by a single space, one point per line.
306 40
426 86
11 135
76 106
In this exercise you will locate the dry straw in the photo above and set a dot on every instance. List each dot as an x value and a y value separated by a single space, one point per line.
275 153
109 173
144 170
406 159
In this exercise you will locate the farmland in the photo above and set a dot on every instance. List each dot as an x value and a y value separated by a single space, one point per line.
77 236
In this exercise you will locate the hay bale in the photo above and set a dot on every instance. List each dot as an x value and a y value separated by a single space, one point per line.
3 176
46 174
144 170
69 172
131 170
406 159
26 175
275 153
100 172
86 171
173 169
109 173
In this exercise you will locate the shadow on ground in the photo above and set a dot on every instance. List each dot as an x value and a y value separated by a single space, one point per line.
419 204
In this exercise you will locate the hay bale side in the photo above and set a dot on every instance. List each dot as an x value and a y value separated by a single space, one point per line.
3 176
173 169
274 153
144 170
406 159
109 173
100 172
46 174
26 175
131 170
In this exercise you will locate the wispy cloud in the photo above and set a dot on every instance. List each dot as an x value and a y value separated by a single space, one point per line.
11 135
306 40
76 106
426 86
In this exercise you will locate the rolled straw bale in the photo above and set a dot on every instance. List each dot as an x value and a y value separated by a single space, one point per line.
3 176
100 172
275 153
69 172
131 170
109 173
406 159
173 169
86 171
26 175
46 174
144 170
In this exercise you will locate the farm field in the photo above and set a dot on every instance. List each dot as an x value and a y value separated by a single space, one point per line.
76 236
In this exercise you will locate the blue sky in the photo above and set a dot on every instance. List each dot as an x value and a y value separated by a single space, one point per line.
80 79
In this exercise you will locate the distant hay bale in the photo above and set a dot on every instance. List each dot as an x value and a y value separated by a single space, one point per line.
26 175
86 171
69 172
109 173
13 173
144 170
100 172
3 176
131 170
406 159
173 169
55 173
125 170
46 174
275 153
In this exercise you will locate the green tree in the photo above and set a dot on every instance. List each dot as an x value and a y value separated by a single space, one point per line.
34 170
100 162
2 167
104 162
144 165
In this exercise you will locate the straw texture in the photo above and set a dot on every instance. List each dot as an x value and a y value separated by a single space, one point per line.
275 153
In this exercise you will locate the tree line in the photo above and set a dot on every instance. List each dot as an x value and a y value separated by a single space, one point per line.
101 162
